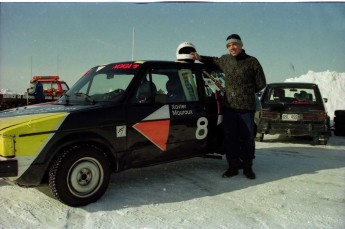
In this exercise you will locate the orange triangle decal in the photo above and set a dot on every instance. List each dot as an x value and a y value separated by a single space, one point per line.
156 131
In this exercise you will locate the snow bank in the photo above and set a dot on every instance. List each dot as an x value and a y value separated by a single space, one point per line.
7 91
332 87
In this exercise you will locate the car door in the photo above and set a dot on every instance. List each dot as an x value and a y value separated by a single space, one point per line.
167 115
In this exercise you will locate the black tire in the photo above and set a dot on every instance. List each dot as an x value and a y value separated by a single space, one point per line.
322 139
322 142
79 175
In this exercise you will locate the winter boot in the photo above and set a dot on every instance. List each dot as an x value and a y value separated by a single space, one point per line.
247 169
232 170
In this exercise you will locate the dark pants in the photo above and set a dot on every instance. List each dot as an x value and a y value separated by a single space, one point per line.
239 142
39 99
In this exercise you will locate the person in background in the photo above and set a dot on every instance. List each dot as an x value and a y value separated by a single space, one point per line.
37 91
301 98
244 77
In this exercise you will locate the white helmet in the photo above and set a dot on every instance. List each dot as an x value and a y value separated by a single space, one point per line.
183 52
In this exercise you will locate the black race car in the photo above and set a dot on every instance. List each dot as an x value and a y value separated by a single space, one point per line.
117 116
294 109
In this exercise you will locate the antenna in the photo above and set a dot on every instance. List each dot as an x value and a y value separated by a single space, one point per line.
57 64
133 44
31 66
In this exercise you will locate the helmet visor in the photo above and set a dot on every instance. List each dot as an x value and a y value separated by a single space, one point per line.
186 50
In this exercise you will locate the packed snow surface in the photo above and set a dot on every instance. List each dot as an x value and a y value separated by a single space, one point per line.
298 185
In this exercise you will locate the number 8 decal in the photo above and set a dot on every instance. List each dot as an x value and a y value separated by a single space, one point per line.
201 131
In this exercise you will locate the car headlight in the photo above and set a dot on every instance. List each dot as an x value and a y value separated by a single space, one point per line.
7 146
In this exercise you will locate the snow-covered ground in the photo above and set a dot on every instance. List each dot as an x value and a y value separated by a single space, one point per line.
298 185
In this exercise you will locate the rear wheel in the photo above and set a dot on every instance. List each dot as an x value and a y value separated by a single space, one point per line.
322 140
79 175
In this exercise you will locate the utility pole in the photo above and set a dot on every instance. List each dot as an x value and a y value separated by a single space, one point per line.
31 67
57 64
133 44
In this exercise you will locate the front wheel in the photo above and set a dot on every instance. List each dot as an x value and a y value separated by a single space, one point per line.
79 175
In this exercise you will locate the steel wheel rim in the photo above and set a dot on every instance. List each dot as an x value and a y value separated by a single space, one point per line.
85 177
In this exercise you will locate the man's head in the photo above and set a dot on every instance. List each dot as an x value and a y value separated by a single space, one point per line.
234 44
304 95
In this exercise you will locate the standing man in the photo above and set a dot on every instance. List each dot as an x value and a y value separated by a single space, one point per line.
37 91
244 77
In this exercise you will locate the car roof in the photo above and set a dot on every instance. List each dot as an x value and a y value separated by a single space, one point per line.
291 84
151 62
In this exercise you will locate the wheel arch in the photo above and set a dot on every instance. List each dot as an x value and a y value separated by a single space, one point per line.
74 139
79 175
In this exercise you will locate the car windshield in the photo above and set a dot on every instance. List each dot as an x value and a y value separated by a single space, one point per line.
101 84
292 95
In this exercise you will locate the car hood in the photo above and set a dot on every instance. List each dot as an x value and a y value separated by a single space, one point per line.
33 113
42 109
27 119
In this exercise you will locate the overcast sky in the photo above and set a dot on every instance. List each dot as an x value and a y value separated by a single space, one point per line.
67 39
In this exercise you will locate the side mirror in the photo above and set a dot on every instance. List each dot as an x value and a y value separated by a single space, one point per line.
325 100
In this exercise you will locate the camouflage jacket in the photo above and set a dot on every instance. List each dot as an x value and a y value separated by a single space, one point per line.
244 77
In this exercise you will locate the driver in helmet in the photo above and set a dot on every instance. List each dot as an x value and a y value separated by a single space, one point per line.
183 52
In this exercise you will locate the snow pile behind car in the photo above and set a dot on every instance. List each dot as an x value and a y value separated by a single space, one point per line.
7 91
331 85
